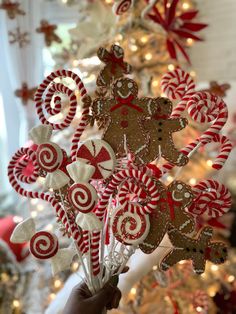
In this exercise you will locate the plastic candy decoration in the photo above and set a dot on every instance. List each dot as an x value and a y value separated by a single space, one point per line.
104 201
82 195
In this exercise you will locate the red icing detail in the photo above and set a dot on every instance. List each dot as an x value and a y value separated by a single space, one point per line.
124 124
156 171
171 204
126 102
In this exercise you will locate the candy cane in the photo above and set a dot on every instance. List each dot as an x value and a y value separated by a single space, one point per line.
117 179
211 197
70 227
57 87
178 84
204 107
95 240
225 149
80 129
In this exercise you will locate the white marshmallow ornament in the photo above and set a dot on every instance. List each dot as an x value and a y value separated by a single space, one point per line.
24 231
99 154
81 195
62 260
49 157
89 222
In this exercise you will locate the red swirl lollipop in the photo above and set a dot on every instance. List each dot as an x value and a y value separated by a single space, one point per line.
49 156
83 197
44 245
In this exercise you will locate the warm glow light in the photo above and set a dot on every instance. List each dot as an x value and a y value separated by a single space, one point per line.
57 283
49 227
16 303
148 56
75 266
108 1
155 83
134 48
154 267
193 73
192 181
34 201
231 278
209 163
144 39
34 214
40 207
212 292
199 308
186 6
133 291
163 95
214 267
169 178
182 262
171 67
189 41
52 296
75 63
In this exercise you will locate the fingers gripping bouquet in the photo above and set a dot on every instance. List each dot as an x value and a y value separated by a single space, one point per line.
108 194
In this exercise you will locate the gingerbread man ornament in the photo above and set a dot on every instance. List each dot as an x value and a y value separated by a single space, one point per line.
169 212
160 128
199 250
121 117
115 67
49 32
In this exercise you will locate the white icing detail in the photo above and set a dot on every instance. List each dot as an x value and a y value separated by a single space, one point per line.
176 198
149 106
182 123
140 148
180 157
124 96
199 271
208 233
187 195
130 84
119 84
184 224
148 245
179 186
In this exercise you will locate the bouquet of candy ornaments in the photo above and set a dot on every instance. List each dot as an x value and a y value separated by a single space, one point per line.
108 194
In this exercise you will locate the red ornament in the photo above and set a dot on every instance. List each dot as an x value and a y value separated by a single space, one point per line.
25 93
7 225
49 32
178 27
12 8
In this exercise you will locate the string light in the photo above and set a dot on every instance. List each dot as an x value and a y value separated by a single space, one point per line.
154 267
155 83
108 1
214 267
133 291
189 41
144 39
230 278
148 56
34 201
52 296
192 181
192 73
199 309
40 207
133 48
34 214
185 6
75 266
16 303
57 283
171 67
209 163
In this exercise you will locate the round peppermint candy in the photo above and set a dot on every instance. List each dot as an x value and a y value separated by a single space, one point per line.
99 154
83 197
49 156
43 245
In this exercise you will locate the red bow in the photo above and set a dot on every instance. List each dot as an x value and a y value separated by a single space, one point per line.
171 204
126 102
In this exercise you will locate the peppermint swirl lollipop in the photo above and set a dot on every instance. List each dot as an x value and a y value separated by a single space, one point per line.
212 198
44 98
44 245
129 228
49 156
83 197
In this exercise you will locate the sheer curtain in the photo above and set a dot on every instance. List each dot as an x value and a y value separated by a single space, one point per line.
18 65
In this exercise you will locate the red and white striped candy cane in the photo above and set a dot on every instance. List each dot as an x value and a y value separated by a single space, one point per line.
201 299
121 176
80 129
95 243
204 107
72 228
211 197
178 84
49 87
21 165
225 149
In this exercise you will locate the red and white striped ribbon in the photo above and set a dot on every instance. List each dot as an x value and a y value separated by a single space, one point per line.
204 107
95 244
121 176
178 84
80 129
71 227
45 87
211 197
225 149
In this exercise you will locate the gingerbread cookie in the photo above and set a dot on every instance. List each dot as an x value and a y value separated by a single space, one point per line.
169 212
198 250
160 127
122 116
115 67
49 32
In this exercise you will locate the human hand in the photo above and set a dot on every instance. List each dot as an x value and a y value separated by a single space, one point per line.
81 300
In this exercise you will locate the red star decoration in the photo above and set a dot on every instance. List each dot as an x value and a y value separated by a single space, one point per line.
49 32
12 8
178 27
25 93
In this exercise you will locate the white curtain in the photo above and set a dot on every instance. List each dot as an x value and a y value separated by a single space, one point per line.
18 65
